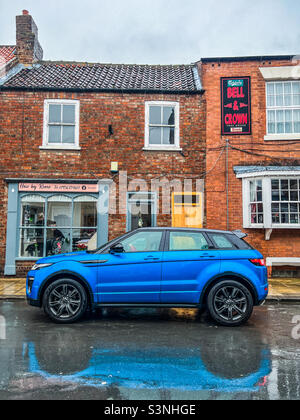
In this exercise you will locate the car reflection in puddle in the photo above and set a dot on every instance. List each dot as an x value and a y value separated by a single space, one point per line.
222 359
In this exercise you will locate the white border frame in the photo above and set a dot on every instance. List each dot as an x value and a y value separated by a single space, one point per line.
60 146
162 147
152 200
266 178
281 136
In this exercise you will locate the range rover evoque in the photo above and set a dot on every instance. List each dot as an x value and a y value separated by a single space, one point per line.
154 267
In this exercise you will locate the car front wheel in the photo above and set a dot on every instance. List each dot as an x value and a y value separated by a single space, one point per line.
65 301
230 303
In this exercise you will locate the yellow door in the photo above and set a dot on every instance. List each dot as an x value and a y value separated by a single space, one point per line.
187 210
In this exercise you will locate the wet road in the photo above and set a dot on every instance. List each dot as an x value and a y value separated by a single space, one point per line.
149 354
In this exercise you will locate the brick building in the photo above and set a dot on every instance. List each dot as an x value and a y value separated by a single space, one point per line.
253 154
93 150
74 135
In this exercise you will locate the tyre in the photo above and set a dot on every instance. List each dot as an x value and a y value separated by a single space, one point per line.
230 303
65 301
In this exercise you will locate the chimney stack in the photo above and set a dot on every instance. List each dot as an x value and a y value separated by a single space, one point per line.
29 50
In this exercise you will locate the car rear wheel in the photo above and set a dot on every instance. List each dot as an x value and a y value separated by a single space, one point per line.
230 303
65 301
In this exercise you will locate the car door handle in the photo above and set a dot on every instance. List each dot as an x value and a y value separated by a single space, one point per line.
151 259
208 256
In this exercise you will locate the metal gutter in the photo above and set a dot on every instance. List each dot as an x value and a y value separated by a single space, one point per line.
247 58
77 90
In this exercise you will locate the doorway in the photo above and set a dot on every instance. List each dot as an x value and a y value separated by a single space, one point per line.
141 210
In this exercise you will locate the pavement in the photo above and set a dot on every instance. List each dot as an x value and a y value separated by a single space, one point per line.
284 289
281 289
12 288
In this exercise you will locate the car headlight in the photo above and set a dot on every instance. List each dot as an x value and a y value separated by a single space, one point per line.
39 266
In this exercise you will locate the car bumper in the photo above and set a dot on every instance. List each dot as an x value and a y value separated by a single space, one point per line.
33 302
32 289
263 293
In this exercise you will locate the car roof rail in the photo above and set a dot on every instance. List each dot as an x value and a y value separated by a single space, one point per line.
240 234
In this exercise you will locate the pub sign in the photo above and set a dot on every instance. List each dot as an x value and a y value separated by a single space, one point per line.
236 105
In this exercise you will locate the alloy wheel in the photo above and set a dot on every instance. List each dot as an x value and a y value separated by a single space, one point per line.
230 303
65 301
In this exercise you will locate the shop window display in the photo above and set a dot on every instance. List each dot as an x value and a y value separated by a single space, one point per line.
56 224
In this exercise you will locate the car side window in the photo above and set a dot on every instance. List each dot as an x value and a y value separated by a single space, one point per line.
187 241
143 242
221 241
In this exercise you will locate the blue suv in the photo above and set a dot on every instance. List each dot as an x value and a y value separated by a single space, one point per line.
154 267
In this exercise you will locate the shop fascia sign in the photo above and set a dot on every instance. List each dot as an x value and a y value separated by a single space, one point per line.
50 187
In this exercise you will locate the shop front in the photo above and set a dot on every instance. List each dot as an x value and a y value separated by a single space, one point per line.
49 218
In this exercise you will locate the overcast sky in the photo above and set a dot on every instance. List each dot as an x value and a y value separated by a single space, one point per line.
157 31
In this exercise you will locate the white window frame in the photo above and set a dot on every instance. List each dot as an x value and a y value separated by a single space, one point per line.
266 178
60 146
162 147
133 197
280 136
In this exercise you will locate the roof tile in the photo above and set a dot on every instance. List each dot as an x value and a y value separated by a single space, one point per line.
51 75
7 53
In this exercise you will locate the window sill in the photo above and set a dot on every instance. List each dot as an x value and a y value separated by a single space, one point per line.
162 149
258 226
283 261
292 226
28 258
62 148
282 137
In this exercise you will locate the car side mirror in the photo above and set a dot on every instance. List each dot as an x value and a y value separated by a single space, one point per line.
117 249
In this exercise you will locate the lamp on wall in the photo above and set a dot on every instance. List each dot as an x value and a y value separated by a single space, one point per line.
114 167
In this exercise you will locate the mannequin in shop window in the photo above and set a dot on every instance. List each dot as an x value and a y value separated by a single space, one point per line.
55 239
57 234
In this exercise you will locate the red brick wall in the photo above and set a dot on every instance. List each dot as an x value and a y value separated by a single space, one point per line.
21 131
283 243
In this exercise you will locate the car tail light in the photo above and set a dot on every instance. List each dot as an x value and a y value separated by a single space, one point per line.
259 262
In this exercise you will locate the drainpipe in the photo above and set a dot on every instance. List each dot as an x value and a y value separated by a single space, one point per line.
227 184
